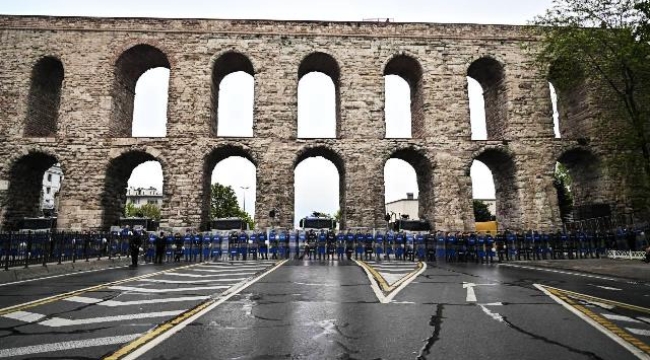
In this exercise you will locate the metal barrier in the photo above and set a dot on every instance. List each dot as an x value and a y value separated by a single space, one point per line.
626 254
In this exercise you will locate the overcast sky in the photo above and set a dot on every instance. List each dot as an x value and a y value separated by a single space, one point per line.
316 178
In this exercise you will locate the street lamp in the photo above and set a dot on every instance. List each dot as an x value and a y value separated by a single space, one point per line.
244 188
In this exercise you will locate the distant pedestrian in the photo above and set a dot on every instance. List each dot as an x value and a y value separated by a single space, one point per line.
159 243
135 244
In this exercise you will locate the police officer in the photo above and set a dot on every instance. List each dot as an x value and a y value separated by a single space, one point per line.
136 242
379 245
232 245
340 245
322 245
159 244
331 244
178 247
369 246
511 247
263 246
349 244
390 244
489 247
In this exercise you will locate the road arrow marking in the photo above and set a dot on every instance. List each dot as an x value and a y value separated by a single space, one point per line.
471 295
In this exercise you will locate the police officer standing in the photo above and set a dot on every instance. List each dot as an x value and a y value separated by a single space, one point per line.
136 242
159 244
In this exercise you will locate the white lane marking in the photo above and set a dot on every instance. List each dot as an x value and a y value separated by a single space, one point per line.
493 315
631 348
58 276
606 287
114 303
158 291
615 317
163 281
498 303
565 272
471 295
25 316
223 298
83 299
644 319
641 332
60 322
209 275
236 271
67 345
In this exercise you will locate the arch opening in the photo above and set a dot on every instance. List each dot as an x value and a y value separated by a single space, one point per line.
483 191
408 185
129 67
502 167
35 180
403 109
490 75
130 176
315 170
234 167
150 104
568 98
578 180
233 96
318 97
44 98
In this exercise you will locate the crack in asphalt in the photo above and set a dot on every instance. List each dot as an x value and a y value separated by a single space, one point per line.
589 354
436 322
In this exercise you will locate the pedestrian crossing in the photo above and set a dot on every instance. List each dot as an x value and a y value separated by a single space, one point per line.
141 304
633 324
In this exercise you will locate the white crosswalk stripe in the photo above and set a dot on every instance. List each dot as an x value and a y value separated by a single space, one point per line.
163 281
25 316
615 317
207 275
641 332
159 291
67 345
61 322
114 303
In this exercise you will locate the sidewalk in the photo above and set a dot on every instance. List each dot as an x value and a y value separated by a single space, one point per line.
19 273
626 269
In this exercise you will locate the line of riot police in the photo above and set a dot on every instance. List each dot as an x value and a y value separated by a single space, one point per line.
373 244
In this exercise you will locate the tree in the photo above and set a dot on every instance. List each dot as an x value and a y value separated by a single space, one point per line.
150 211
562 183
605 42
482 211
223 203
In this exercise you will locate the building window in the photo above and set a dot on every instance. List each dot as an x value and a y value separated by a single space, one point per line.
47 190
154 202
49 178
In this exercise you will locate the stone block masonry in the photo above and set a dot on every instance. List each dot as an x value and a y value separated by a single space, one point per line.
67 88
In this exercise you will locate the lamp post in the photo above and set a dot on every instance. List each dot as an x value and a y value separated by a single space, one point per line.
244 188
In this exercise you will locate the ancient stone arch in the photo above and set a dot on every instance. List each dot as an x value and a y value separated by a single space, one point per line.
129 66
93 121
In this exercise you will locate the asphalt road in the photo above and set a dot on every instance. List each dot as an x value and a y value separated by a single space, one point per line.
325 310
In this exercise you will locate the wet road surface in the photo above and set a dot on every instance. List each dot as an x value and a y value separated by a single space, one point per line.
326 310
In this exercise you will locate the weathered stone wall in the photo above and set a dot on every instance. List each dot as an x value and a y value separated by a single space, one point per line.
92 144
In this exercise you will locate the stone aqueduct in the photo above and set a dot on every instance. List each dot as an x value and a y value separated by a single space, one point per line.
67 90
